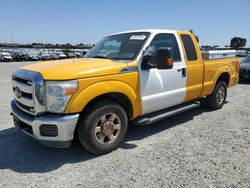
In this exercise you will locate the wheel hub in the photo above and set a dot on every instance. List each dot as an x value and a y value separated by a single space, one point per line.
107 127
220 95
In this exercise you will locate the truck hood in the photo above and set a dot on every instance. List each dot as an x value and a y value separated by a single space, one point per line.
76 68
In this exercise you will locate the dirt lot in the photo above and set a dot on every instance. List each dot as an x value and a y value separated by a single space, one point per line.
199 148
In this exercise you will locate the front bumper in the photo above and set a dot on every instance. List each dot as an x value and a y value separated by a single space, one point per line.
33 126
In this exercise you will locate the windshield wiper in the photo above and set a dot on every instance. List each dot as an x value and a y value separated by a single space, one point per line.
102 57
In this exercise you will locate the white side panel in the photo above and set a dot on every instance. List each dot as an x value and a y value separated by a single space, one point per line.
162 88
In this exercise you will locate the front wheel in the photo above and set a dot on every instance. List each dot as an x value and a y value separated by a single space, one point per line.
103 128
217 99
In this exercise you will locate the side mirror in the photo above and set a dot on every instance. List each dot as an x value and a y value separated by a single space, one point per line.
164 58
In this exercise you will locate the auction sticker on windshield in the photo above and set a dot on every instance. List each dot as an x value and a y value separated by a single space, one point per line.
137 37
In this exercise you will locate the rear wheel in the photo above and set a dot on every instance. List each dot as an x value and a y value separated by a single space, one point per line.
103 128
217 99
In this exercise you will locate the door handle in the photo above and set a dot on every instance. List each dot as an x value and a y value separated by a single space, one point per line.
184 72
178 70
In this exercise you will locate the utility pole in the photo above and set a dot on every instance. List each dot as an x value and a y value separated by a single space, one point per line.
11 37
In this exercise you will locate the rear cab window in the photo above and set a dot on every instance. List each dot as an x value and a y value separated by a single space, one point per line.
189 47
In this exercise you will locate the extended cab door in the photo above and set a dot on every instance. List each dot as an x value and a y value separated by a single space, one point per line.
194 65
163 88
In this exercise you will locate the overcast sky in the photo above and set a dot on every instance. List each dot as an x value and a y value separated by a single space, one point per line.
87 21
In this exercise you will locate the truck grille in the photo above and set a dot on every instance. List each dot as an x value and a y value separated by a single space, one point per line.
23 94
24 85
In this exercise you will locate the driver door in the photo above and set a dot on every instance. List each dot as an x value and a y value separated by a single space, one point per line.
164 88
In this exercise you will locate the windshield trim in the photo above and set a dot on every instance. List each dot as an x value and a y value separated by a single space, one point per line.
142 47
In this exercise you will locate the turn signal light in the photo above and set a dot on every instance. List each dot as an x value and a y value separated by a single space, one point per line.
70 91
169 61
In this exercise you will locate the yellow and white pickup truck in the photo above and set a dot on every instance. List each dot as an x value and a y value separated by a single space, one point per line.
141 76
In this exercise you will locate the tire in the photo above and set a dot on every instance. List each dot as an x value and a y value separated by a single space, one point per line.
217 99
103 128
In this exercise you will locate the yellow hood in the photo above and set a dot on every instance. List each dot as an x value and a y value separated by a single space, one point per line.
76 68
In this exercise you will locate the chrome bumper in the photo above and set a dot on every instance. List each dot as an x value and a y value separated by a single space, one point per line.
65 126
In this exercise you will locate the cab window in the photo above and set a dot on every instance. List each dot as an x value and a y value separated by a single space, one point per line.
166 40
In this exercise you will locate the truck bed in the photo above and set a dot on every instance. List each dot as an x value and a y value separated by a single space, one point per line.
212 69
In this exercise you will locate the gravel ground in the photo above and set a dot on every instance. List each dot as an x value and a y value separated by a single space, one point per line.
199 148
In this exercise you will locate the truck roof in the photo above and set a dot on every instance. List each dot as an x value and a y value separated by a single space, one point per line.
148 30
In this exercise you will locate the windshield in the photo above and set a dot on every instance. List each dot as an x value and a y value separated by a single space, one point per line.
246 60
124 46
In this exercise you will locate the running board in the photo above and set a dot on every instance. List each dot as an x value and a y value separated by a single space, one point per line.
166 113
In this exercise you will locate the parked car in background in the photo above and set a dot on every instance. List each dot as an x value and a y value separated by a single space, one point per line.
18 56
44 55
80 53
57 55
77 54
32 56
245 68
6 57
70 55
61 55
35 54
241 53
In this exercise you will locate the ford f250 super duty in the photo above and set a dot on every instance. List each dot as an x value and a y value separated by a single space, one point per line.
141 76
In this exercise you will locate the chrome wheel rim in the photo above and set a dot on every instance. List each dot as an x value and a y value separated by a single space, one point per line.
107 128
220 96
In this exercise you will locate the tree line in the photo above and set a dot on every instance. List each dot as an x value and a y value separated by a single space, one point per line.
235 43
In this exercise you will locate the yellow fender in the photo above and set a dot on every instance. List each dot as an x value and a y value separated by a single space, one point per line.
210 85
81 99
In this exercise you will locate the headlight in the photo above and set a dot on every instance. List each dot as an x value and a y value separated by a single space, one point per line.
58 94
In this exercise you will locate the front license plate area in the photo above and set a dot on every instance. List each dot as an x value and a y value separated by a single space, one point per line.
17 122
22 125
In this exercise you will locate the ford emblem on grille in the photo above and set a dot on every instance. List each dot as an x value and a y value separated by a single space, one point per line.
18 92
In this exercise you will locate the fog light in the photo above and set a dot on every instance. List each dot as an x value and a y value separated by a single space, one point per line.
48 130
